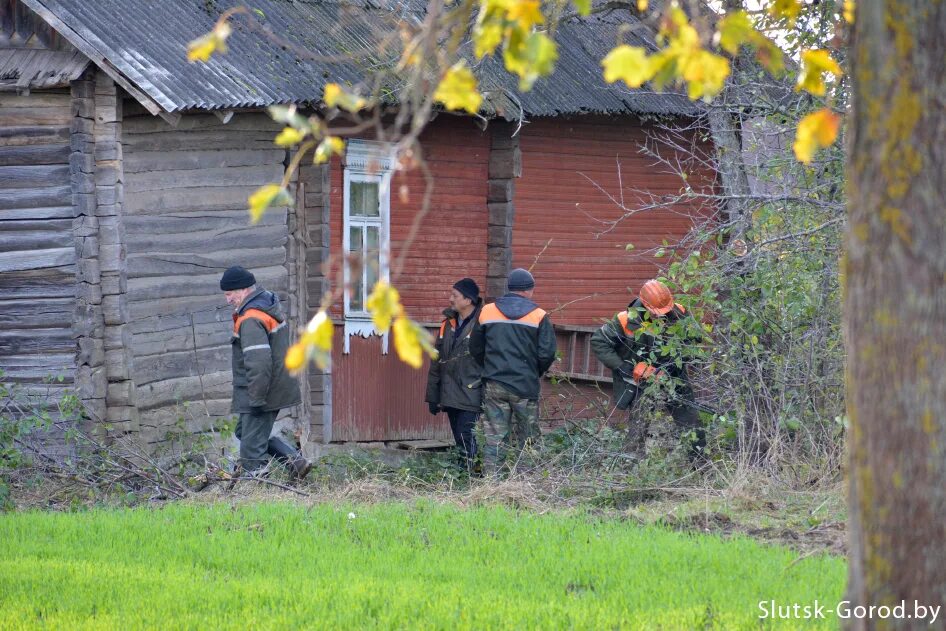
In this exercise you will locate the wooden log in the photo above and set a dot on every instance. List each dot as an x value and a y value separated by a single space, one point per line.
114 309
34 135
33 368
116 365
160 287
36 117
171 264
35 100
50 282
36 314
28 155
27 341
121 394
233 241
198 178
34 259
48 212
218 313
173 365
91 351
217 334
194 140
29 240
187 222
114 283
147 161
190 389
36 197
206 198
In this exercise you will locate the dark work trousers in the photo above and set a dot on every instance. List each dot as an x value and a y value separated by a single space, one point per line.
462 423
253 432
685 417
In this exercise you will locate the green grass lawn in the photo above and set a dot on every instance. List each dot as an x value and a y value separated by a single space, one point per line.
396 565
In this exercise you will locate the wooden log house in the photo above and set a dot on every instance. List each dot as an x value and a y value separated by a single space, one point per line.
124 175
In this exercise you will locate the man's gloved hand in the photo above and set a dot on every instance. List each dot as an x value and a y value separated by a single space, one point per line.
434 408
643 370
627 370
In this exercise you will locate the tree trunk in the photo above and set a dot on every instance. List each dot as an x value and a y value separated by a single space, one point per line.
895 309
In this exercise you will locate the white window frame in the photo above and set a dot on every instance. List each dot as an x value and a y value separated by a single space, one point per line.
367 161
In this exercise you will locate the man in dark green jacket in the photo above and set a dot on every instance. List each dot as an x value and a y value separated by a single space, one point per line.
453 382
633 345
514 342
261 384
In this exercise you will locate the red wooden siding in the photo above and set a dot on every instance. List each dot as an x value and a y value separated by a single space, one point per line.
554 200
377 397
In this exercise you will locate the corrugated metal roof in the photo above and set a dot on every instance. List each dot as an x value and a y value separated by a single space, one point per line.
146 41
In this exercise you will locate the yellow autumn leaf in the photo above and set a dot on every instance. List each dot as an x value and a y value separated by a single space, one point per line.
203 47
458 90
788 9
319 330
295 358
629 64
384 304
849 11
814 64
289 136
527 13
316 343
330 145
266 196
529 55
411 341
815 131
705 74
583 6
642 5
335 96
735 29
486 37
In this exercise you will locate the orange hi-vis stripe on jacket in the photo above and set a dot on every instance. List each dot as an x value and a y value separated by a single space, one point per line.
269 322
443 326
623 318
491 313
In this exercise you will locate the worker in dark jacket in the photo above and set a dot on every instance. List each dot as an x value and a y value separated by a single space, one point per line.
453 382
261 384
631 346
514 342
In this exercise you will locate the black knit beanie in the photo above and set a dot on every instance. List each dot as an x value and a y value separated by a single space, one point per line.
237 277
469 288
520 280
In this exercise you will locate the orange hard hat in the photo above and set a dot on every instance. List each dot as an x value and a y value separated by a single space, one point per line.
656 297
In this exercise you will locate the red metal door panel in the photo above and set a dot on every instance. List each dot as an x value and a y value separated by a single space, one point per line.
379 397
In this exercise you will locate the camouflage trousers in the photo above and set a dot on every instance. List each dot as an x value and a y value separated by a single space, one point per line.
509 423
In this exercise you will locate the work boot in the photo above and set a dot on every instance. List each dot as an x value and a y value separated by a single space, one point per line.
292 459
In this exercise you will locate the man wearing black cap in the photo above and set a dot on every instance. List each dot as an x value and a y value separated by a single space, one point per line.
453 382
261 384
514 342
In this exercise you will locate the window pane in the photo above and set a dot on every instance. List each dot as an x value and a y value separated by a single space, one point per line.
364 199
356 302
372 256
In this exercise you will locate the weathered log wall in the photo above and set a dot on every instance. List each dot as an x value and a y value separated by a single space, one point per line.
186 190
37 249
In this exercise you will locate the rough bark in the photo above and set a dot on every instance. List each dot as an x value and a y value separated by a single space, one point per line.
895 281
